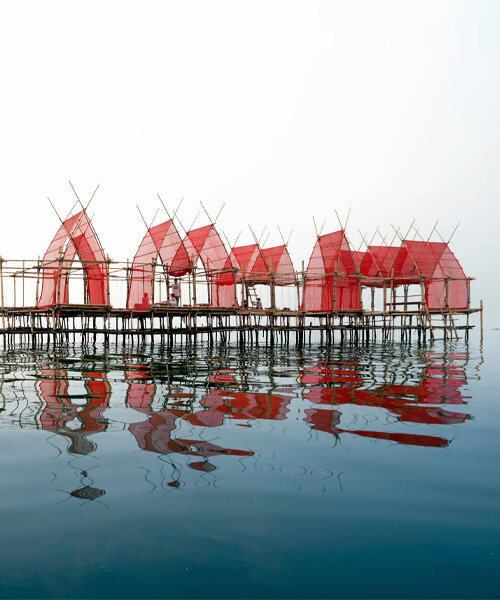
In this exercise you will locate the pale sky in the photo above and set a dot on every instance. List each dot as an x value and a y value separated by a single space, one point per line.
282 110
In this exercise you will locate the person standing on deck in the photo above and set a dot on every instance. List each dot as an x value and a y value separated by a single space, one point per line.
176 291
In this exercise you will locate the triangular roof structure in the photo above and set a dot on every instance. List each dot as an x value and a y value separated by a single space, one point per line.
205 244
161 241
376 264
75 236
273 261
444 279
331 259
243 257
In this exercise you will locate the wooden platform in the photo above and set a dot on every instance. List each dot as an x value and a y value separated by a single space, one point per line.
202 321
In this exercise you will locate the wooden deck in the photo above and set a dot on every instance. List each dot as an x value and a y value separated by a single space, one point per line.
67 321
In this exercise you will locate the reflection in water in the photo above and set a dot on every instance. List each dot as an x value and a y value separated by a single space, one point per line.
87 493
66 415
190 405
213 471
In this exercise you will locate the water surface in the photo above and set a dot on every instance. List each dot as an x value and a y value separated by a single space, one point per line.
342 472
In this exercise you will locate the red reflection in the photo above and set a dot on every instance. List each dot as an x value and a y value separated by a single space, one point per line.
405 410
154 434
325 420
246 405
441 385
222 376
59 409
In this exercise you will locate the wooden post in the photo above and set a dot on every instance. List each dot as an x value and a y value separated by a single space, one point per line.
303 287
271 283
23 283
127 275
58 282
37 281
194 287
446 305
468 292
392 289
235 288
153 273
480 316
334 299
1 281
108 300
358 278
297 285
1 292
373 298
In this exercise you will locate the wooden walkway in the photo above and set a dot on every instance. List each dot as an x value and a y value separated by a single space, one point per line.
66 322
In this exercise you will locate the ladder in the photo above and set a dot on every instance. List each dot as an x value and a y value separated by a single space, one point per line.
252 295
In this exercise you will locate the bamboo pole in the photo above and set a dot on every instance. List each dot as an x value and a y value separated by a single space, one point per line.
1 292
108 299
271 283
37 281
480 316
127 275
235 288
194 287
153 273
302 305
334 299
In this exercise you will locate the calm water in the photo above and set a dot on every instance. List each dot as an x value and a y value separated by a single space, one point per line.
214 472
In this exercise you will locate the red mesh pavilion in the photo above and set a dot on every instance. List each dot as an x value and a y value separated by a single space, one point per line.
75 236
274 261
377 263
161 241
445 283
205 244
331 261
243 259
238 265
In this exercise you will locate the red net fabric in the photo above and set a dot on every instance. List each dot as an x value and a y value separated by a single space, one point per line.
141 273
162 240
274 261
205 243
377 264
445 283
52 267
243 258
330 255
173 253
239 262
358 258
92 257
404 269
76 235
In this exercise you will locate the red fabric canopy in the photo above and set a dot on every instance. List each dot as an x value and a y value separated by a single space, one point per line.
205 243
377 264
75 236
331 261
445 282
243 257
274 261
162 240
